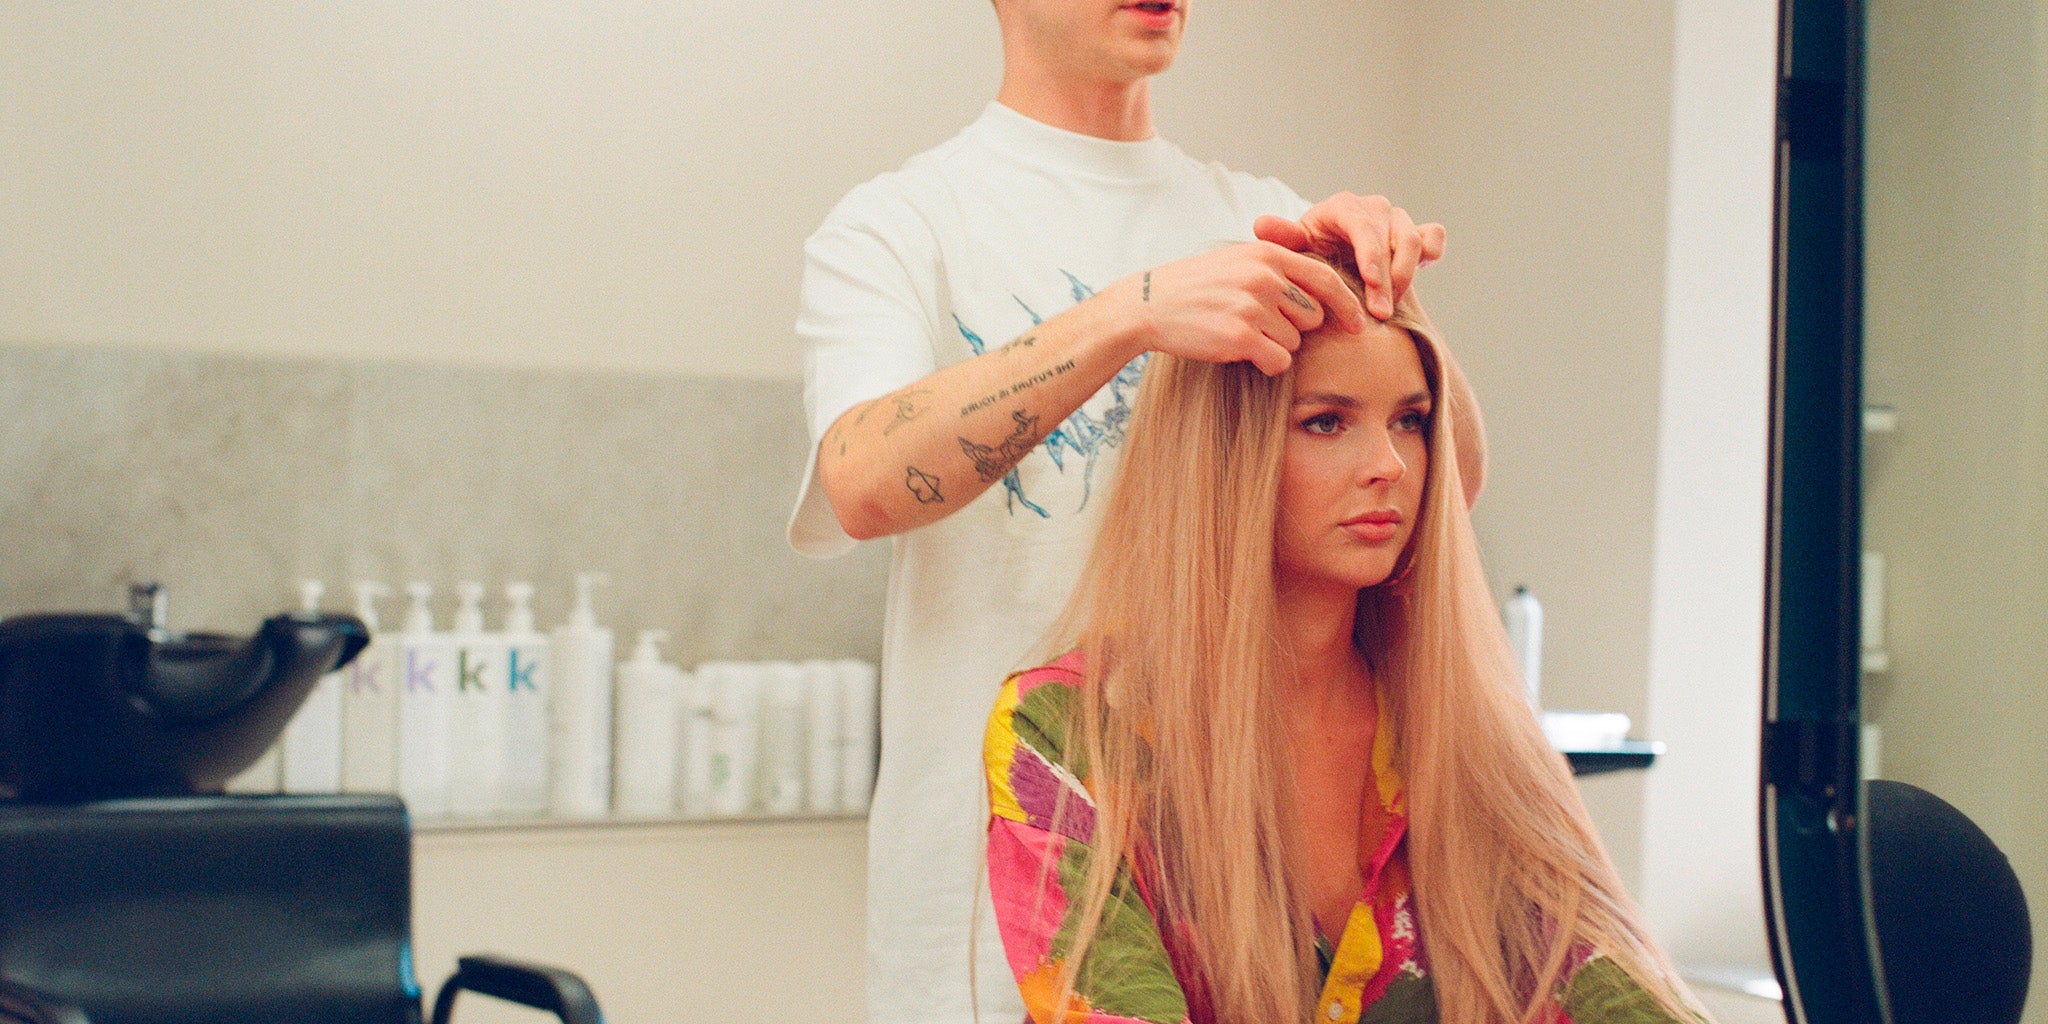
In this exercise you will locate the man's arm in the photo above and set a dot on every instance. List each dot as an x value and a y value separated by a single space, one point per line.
913 456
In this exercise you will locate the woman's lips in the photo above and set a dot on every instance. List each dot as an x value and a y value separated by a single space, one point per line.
1374 526
1154 13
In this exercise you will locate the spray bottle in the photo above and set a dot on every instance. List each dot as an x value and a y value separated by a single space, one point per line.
1523 616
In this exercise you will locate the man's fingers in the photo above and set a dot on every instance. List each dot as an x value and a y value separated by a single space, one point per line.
1322 285
1432 243
1406 255
1280 231
1272 359
1367 229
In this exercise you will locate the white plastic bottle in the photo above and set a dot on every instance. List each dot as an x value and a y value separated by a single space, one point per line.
529 664
782 739
369 705
425 708
1523 616
580 731
312 741
645 772
825 736
735 737
693 785
858 695
476 783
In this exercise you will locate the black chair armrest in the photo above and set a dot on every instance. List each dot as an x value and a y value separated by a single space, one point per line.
557 991
22 1004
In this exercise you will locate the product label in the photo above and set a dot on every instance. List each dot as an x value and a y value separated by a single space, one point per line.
419 672
469 672
521 676
365 676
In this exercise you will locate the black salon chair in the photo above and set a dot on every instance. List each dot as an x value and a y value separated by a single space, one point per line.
1952 923
227 910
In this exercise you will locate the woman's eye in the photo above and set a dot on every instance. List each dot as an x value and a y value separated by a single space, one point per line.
1415 421
1327 423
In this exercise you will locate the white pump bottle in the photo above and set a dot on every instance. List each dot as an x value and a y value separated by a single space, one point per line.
580 747
476 783
645 772
369 705
312 742
425 708
528 688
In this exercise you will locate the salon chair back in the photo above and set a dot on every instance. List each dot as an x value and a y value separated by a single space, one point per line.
1952 925
228 910
212 908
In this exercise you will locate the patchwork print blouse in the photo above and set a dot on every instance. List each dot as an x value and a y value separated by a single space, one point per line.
1376 973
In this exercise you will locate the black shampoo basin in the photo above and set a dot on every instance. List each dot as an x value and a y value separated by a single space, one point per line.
99 706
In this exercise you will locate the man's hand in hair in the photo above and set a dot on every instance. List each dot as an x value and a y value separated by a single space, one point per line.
1389 245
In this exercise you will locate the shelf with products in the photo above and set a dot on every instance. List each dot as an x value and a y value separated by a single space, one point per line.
458 825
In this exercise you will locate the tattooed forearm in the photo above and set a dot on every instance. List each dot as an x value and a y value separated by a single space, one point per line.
909 406
1029 382
923 485
992 461
835 436
1295 296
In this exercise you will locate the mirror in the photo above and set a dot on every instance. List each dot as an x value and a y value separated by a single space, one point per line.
1910 467
1955 452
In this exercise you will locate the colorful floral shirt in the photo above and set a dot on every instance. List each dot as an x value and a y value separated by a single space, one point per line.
1376 973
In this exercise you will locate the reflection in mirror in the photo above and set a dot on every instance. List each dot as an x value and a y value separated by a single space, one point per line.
1955 457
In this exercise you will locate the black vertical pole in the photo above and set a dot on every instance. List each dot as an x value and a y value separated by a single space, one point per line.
1815 883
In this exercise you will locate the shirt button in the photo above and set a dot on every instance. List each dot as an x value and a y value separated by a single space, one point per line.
1336 1010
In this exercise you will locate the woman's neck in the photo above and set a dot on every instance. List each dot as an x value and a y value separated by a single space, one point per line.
1330 673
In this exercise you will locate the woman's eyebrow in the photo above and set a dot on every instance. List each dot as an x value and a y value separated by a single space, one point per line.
1345 401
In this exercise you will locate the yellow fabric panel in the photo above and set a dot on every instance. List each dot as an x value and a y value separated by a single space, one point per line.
998 750
1357 960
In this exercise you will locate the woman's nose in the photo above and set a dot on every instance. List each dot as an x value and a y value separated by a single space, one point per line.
1381 461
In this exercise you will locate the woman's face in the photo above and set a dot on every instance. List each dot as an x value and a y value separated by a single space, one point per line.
1356 459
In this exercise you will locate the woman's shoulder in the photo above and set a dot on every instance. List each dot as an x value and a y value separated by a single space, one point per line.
1032 773
1601 991
1036 706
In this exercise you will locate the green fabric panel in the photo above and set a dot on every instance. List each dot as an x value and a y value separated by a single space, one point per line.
1127 972
1600 992
1041 723
1409 1000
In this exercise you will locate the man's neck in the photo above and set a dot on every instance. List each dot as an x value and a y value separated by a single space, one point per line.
1119 112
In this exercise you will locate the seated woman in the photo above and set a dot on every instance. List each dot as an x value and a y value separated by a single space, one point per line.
1286 772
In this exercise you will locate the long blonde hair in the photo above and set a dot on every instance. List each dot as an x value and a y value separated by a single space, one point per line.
1183 741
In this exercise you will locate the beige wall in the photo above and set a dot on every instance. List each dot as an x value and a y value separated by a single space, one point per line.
1540 135
1955 340
744 921
609 185
1702 867
601 185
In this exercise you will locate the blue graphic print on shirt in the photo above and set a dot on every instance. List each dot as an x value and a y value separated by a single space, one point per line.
1083 434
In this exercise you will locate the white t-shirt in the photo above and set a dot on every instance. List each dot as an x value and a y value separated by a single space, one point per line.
964 249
